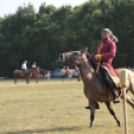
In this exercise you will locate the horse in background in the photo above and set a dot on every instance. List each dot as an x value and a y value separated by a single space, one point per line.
21 73
37 75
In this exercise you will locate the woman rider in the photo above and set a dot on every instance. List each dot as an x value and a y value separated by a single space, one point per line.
105 52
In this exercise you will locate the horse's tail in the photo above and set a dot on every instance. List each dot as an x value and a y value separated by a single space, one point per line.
42 71
15 74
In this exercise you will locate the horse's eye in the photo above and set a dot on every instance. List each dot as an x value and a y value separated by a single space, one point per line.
75 53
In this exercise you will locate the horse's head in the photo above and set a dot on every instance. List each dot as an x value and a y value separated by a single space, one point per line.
43 73
73 57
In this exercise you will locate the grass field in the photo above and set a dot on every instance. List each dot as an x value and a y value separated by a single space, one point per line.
54 109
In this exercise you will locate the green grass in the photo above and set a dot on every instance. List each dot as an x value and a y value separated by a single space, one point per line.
57 108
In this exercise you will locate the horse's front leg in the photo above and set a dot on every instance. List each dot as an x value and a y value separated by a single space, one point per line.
110 108
92 114
27 80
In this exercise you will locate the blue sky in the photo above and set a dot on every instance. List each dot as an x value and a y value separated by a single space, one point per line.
11 6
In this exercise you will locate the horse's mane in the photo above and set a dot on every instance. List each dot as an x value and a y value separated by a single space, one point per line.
42 71
91 61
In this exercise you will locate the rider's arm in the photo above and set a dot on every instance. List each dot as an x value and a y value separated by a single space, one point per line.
110 53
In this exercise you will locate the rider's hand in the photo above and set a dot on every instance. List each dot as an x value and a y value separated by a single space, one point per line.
97 57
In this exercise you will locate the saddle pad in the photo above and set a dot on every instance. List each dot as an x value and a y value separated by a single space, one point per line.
114 78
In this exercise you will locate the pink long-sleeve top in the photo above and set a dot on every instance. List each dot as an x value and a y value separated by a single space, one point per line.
108 52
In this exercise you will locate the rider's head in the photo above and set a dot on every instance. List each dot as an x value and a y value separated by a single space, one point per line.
107 34
25 61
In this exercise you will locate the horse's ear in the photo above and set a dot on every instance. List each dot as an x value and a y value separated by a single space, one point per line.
84 50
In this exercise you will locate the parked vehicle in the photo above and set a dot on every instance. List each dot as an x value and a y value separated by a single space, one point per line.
74 73
57 73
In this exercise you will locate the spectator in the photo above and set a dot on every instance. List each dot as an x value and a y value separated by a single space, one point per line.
63 72
68 73
129 68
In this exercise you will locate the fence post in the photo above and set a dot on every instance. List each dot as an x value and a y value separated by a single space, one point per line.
124 82
48 77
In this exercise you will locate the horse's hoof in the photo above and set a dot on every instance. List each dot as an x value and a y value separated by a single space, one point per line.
87 107
91 125
119 125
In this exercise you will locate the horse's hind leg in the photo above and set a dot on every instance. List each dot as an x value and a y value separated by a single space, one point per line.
129 100
97 106
110 108
131 88
37 80
27 80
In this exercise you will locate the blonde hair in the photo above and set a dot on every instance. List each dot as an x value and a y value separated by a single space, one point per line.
113 38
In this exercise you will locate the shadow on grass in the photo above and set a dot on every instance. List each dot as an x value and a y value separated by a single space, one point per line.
60 129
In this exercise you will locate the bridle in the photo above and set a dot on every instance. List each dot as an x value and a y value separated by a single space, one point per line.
78 57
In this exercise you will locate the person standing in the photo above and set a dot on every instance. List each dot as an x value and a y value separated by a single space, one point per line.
63 73
68 71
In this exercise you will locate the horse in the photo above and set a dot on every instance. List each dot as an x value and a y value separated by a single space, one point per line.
94 90
21 73
36 74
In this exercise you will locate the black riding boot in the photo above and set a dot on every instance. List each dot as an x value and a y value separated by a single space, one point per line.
25 73
109 83
116 98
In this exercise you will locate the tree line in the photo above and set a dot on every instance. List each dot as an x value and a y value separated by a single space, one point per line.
41 36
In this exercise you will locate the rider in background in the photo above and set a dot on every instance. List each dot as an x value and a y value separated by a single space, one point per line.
24 67
34 65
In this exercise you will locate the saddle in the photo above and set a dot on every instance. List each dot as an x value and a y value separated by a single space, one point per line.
97 68
33 69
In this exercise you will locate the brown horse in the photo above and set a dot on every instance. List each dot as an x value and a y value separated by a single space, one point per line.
36 74
93 89
21 73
